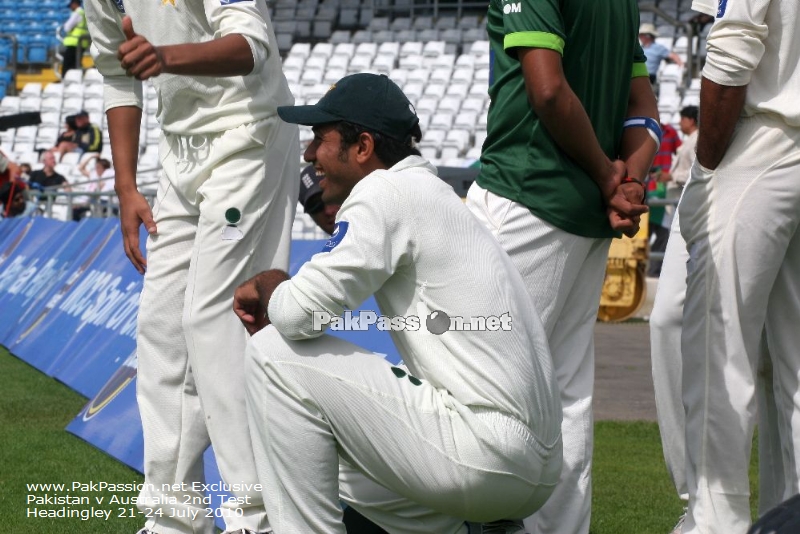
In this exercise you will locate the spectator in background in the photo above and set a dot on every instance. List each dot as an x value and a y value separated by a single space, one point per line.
684 154
101 178
655 52
13 202
311 199
68 134
76 37
8 169
659 220
47 176
87 137
25 171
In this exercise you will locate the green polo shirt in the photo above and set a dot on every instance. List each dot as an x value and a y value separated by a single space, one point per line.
599 45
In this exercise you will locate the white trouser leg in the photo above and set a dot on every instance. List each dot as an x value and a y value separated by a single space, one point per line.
739 223
440 462
665 347
191 345
665 350
564 274
783 318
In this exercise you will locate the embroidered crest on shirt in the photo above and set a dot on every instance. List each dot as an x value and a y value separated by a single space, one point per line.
336 237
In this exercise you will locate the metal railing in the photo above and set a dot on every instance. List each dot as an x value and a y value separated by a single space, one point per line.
100 203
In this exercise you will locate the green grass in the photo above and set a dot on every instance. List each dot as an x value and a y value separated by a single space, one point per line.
35 448
632 491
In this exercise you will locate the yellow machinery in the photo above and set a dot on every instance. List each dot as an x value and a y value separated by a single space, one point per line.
625 287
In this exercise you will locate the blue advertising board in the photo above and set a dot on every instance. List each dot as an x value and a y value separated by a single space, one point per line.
68 304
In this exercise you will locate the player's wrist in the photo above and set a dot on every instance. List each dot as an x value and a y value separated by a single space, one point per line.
632 180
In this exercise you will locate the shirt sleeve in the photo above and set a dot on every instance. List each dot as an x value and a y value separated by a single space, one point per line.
248 18
371 242
735 43
105 26
532 24
709 7
72 21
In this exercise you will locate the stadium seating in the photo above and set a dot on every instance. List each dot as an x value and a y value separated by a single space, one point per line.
440 59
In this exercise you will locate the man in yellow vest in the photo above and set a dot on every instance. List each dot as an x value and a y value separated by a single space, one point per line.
76 37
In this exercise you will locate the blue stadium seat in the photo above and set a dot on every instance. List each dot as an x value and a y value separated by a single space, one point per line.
13 27
38 46
22 47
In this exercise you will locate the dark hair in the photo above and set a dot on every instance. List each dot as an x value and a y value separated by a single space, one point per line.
104 162
387 149
690 112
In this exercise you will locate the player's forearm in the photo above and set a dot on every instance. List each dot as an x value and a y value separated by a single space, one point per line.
638 148
123 130
566 121
227 56
720 108
267 281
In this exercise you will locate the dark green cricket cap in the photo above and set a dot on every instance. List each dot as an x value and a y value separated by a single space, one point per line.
370 100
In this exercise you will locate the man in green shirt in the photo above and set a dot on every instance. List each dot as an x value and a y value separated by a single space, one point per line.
571 133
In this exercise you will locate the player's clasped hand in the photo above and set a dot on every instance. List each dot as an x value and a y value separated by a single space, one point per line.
137 55
625 202
248 307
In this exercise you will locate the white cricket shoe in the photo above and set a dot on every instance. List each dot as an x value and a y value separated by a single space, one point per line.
678 528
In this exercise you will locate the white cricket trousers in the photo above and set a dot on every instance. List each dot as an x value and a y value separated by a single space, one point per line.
224 212
665 353
333 421
564 274
665 349
740 225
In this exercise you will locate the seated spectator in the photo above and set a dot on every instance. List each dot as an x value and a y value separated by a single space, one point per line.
8 169
101 178
655 52
25 171
47 176
68 135
87 137
311 199
13 202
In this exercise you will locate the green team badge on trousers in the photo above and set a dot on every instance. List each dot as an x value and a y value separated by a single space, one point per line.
231 232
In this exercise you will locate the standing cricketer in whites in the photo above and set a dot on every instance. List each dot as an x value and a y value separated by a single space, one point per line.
470 429
224 211
572 132
739 216
665 349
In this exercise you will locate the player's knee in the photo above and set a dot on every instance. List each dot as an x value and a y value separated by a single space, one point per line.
665 317
267 345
